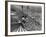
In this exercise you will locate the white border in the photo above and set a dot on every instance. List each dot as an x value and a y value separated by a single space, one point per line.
31 32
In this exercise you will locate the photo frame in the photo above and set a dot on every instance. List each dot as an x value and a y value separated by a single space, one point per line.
24 18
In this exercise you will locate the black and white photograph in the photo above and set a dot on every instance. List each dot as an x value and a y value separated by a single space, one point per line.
25 18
